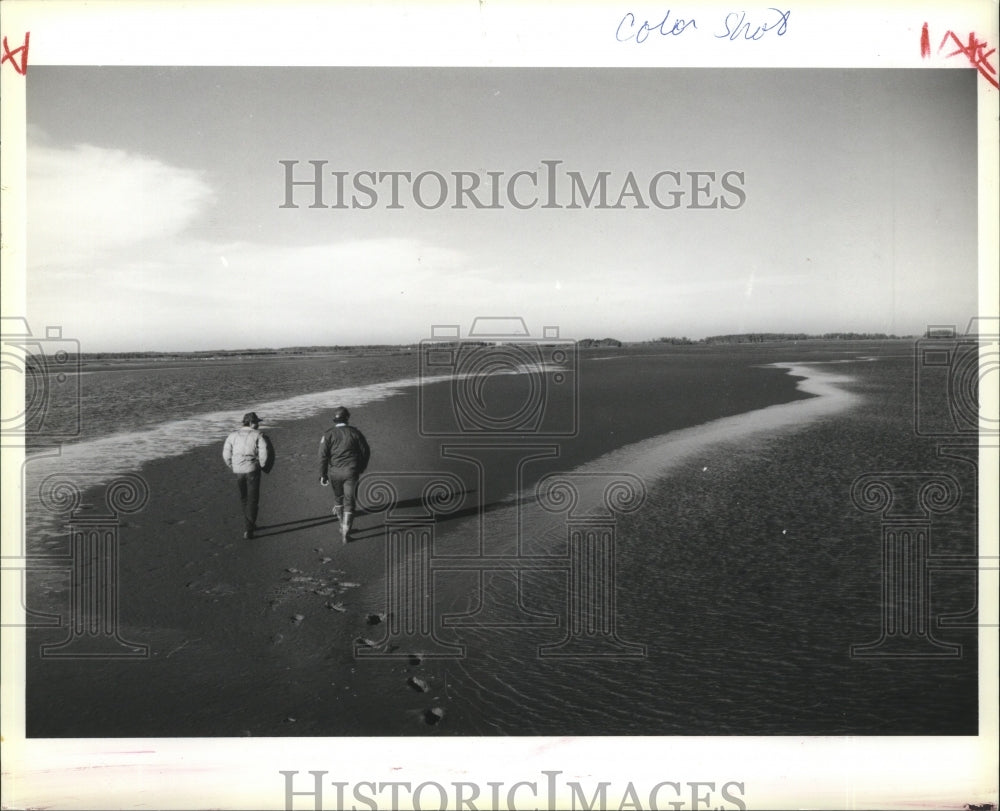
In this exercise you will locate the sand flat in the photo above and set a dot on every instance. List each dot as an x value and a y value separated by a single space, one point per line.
262 634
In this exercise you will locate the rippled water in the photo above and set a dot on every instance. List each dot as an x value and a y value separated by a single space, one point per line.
740 585
122 399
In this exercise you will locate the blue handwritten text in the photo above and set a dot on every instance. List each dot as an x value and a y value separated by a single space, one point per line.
739 27
627 28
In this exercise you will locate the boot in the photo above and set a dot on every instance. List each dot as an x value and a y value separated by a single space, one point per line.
345 526
338 511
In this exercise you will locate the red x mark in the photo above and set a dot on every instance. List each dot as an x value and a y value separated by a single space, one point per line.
974 50
20 65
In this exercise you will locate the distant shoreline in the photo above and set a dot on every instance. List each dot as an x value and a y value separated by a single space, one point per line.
131 361
115 361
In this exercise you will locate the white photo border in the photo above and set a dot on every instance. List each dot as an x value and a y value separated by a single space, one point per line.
245 773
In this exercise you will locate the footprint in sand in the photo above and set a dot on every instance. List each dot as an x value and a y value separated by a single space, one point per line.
212 589
418 684
434 716
300 584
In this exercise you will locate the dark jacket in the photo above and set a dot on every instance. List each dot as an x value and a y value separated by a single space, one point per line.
343 450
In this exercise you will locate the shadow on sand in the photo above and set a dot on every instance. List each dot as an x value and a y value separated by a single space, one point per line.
416 508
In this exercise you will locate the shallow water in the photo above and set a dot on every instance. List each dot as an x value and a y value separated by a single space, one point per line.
129 417
740 583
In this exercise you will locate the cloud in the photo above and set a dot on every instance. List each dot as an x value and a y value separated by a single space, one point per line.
86 202
196 293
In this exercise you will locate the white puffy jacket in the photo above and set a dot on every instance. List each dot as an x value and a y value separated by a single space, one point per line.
245 450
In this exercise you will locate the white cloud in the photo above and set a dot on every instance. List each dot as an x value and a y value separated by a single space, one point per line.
86 201
195 293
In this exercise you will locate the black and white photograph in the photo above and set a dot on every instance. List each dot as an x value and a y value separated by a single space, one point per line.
390 428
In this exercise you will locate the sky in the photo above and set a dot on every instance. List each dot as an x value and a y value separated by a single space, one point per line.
155 218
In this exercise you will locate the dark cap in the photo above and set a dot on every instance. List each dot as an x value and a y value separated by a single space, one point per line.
341 414
251 418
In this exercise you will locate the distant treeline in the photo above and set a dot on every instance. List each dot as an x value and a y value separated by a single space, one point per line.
761 337
585 343
208 354
589 342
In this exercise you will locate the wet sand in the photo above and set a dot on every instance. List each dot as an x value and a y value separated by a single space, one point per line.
258 637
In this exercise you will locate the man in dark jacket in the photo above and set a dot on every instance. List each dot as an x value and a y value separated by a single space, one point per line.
343 457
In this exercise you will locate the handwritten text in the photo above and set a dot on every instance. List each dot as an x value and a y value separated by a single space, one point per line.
626 28
740 26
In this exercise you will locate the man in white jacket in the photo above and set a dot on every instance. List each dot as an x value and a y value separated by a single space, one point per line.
245 453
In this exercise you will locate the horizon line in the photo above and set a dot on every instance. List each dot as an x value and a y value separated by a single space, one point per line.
606 342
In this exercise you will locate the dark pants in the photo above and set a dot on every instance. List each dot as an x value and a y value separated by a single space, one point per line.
344 487
249 486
